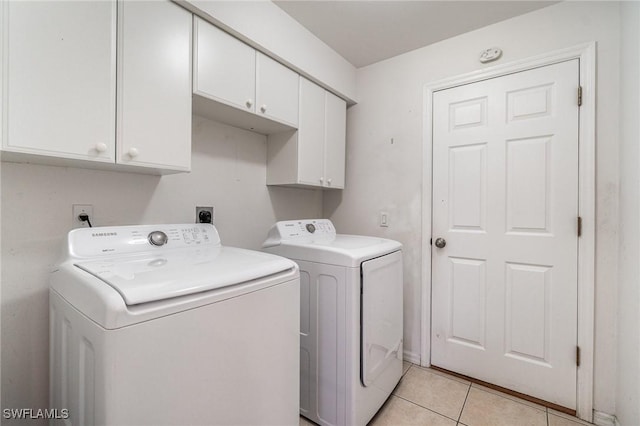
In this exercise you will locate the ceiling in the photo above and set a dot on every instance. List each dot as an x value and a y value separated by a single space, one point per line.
364 32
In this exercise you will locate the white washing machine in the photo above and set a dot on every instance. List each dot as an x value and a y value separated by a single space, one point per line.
162 325
351 319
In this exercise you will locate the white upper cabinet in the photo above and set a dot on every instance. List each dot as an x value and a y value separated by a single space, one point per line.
60 79
276 90
154 85
225 67
235 84
61 76
314 155
311 134
335 140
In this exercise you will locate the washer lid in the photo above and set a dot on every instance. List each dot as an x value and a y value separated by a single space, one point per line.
342 250
152 277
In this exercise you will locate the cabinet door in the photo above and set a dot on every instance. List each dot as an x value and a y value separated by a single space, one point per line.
225 67
154 85
335 140
311 134
276 90
60 78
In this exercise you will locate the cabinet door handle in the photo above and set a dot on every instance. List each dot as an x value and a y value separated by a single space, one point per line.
101 147
321 180
249 103
133 152
263 108
329 181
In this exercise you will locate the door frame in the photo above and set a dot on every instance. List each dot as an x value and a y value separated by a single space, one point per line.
586 54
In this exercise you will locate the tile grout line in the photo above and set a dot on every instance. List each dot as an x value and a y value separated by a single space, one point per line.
512 398
405 373
446 376
465 403
423 407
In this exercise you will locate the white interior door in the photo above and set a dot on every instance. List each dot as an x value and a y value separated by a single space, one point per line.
505 200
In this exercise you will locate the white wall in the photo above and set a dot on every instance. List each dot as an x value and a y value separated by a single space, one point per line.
628 384
386 176
228 172
265 26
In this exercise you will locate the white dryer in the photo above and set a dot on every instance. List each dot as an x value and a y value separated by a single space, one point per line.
162 325
351 319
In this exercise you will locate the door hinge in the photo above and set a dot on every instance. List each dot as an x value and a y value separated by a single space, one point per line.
579 226
577 356
579 95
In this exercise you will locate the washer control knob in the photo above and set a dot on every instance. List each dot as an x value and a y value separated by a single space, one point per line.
158 238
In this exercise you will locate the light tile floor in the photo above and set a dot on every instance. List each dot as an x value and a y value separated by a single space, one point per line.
429 397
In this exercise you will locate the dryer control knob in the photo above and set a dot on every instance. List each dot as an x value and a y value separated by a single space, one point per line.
158 238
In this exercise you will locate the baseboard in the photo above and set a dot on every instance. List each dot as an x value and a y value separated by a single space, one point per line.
411 357
604 419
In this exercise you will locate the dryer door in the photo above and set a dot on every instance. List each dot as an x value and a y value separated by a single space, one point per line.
381 308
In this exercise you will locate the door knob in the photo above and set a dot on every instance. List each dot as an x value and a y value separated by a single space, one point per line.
440 242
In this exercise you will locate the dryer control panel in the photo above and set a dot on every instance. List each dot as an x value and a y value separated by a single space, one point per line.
303 230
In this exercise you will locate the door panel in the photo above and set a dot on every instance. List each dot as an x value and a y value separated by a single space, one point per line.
528 185
466 307
527 311
505 185
467 187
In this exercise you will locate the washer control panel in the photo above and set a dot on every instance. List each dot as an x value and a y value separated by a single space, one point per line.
304 230
95 242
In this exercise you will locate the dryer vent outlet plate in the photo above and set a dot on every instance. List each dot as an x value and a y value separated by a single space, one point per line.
204 214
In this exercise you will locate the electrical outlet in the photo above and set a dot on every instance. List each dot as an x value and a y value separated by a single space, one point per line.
77 210
204 214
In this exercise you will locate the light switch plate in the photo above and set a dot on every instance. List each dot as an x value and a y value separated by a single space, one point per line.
384 219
